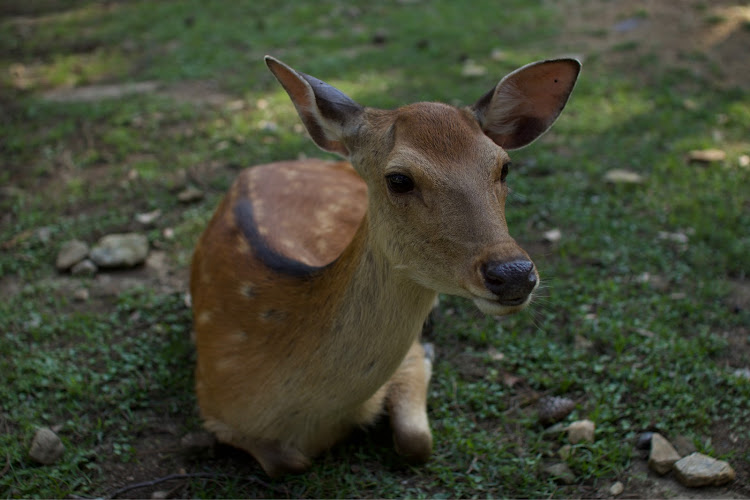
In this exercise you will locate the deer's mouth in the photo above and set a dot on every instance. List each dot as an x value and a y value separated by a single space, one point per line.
501 307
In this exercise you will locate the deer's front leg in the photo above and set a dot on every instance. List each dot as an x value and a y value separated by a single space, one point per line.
406 401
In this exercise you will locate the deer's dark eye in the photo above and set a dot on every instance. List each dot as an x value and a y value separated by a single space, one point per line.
504 172
399 183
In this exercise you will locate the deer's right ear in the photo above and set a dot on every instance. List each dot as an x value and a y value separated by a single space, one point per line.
324 110
526 102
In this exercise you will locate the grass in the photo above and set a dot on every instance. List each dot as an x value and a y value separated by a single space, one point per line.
642 331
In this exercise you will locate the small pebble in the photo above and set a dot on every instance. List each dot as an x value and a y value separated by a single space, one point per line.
190 194
581 431
662 455
46 447
706 155
84 268
552 236
81 295
616 489
560 472
71 252
700 470
620 176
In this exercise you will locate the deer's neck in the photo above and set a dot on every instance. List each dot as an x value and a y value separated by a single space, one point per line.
379 311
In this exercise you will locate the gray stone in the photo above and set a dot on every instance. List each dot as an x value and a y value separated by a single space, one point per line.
71 252
148 219
619 176
555 431
706 156
190 194
81 295
697 470
120 250
560 472
46 447
43 234
84 268
662 455
616 489
581 431
553 235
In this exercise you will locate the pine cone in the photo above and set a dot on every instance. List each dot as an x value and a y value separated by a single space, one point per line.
552 409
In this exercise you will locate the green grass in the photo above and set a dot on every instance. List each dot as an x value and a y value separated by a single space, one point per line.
641 331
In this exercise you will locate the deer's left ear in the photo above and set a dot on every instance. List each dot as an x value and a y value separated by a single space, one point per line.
526 102
325 111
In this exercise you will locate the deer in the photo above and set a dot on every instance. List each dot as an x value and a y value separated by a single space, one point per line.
312 279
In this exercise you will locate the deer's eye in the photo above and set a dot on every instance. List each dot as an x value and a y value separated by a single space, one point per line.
399 183
504 171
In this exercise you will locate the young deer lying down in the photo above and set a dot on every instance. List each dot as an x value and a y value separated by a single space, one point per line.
312 280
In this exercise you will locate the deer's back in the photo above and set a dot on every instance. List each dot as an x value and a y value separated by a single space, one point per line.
278 225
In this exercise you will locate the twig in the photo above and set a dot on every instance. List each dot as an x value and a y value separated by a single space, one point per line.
206 475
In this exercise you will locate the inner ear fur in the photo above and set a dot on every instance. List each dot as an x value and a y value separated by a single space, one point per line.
526 102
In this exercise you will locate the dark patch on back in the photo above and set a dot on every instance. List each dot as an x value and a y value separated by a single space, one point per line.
277 262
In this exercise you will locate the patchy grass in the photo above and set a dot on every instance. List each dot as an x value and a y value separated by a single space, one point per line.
643 318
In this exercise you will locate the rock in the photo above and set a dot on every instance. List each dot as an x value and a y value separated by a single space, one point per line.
46 447
552 236
744 161
71 252
565 451
581 431
554 431
706 155
680 238
644 440
619 176
560 472
683 445
471 69
190 194
662 455
81 295
84 268
148 218
120 250
43 234
616 489
697 469
552 409
158 494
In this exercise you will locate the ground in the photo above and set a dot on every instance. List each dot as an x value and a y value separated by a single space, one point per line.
116 384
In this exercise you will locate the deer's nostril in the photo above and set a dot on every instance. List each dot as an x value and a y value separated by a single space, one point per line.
511 282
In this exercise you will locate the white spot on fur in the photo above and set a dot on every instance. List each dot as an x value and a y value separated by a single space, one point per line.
204 317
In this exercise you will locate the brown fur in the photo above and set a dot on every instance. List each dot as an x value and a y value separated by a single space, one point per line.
308 302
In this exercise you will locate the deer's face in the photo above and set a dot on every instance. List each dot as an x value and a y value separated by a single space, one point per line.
437 207
435 175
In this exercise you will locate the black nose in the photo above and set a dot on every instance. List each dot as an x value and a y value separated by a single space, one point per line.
511 282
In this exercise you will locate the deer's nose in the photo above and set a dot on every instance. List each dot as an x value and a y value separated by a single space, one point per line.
511 282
